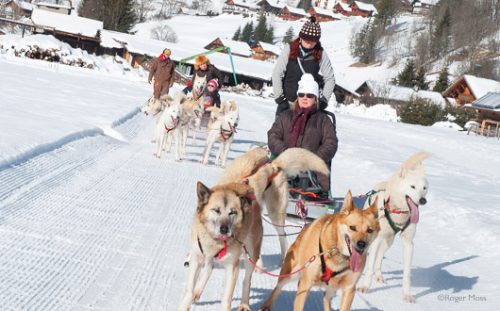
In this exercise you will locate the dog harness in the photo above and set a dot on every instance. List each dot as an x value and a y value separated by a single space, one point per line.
388 211
327 273
173 128
220 254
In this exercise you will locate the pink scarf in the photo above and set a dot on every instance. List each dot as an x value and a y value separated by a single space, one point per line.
300 117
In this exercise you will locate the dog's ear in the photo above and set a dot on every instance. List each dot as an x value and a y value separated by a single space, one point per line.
203 195
373 208
348 206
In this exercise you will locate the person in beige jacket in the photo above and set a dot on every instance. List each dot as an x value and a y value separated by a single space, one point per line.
162 71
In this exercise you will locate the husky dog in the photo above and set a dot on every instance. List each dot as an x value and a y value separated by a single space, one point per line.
339 244
191 115
167 128
154 106
199 85
222 129
228 218
398 201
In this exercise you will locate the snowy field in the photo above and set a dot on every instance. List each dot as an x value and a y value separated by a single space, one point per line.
90 220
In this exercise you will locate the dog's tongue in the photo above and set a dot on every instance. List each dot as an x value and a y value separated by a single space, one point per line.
356 261
414 213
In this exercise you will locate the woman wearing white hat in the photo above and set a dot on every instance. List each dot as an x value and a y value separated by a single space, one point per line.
305 126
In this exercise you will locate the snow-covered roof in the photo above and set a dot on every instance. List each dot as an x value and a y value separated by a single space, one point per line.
67 23
25 5
55 4
434 97
237 47
345 6
246 4
394 92
153 48
429 2
297 11
366 7
481 86
488 101
324 12
270 47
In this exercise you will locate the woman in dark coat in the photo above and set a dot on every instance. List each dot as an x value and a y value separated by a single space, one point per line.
305 126
162 70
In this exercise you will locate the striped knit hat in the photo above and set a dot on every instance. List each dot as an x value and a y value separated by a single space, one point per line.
311 30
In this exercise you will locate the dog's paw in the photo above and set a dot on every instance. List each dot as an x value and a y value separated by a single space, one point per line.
153 141
244 307
196 294
409 298
380 279
156 155
363 289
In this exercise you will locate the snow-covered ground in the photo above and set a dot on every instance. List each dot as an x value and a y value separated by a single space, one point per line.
90 220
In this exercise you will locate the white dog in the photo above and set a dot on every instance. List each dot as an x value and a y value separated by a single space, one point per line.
398 200
167 128
154 106
222 129
192 112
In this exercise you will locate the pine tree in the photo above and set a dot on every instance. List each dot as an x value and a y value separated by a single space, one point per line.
420 82
269 38
440 42
407 77
288 36
237 34
92 9
116 15
260 31
246 34
304 4
442 82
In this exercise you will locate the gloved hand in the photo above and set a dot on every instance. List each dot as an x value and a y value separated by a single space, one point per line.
323 103
281 100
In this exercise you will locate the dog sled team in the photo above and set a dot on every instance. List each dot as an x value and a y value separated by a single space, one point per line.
197 107
341 251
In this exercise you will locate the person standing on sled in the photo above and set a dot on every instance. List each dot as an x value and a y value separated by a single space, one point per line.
304 126
163 71
203 69
303 55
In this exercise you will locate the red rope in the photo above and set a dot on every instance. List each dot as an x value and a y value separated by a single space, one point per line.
262 270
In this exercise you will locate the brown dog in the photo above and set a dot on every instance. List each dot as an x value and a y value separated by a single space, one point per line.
339 243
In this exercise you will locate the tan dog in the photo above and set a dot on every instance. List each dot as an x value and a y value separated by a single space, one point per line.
339 242
398 205
229 216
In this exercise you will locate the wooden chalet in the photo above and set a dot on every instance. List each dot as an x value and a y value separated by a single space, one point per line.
363 9
79 32
13 9
291 13
271 6
239 6
265 51
467 89
487 109
343 8
56 6
322 15
238 48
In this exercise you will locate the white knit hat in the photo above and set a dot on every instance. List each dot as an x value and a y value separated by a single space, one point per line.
308 85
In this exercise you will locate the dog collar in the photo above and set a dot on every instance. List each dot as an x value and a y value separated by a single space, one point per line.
219 255
387 213
327 273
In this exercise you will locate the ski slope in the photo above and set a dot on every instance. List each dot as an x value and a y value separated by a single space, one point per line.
90 220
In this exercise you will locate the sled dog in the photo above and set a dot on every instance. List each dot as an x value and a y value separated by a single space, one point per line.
222 129
339 244
168 129
398 201
228 218
190 116
154 106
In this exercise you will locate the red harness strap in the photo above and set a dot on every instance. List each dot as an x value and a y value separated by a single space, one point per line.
393 210
222 252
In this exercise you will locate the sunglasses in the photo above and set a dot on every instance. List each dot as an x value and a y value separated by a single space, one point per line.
306 94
